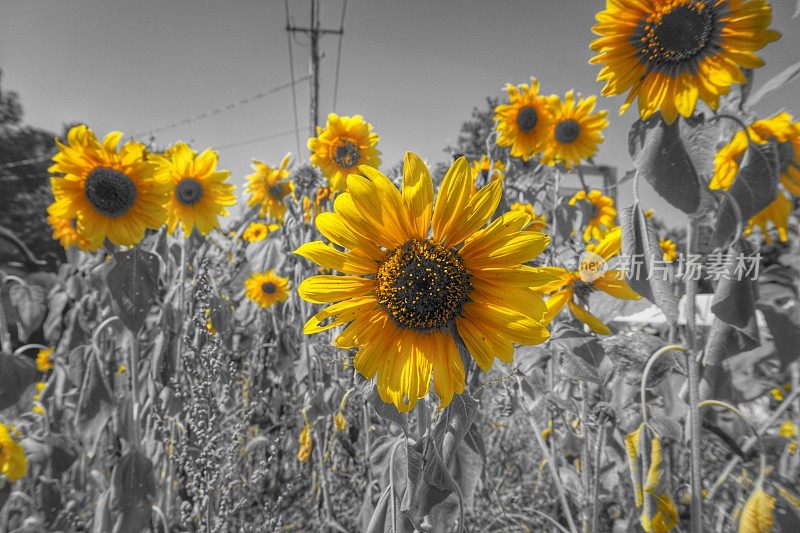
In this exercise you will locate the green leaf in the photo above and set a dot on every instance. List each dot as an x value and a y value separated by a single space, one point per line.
28 300
17 373
453 424
95 405
735 299
133 284
53 324
700 139
387 517
266 254
640 247
370 393
132 492
784 324
725 341
780 80
429 480
661 158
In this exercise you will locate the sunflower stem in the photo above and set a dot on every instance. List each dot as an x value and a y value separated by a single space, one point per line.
586 466
694 386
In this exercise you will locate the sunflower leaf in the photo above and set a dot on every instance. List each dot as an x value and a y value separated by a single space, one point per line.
29 303
16 375
700 140
735 299
133 284
725 340
96 404
132 493
429 480
388 412
661 157
387 518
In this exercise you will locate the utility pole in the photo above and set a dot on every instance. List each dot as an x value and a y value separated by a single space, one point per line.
314 32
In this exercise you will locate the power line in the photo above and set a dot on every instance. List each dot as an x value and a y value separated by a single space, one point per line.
291 71
339 54
257 139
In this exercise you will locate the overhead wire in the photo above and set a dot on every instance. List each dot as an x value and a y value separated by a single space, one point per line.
339 54
291 73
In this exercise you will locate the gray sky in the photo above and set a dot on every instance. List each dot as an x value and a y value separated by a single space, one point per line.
415 69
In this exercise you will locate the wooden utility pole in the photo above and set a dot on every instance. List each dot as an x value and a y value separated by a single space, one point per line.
314 32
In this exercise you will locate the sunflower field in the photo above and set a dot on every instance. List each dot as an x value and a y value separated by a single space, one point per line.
486 345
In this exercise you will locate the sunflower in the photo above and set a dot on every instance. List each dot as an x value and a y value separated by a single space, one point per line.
669 249
523 123
603 213
266 288
66 231
482 168
258 231
538 222
790 177
268 186
112 193
313 208
199 192
423 273
13 463
344 144
575 131
669 53
44 360
776 213
591 276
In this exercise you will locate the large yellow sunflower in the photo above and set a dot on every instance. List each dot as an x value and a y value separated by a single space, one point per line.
200 194
603 213
421 274
344 145
575 131
267 288
13 463
777 213
588 278
669 53
268 186
112 193
524 121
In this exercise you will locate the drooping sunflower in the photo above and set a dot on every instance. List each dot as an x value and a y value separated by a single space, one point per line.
603 213
44 361
669 250
344 145
112 193
13 462
199 193
266 288
589 277
538 222
258 231
66 231
268 187
524 121
313 208
420 274
777 214
669 53
575 131
484 170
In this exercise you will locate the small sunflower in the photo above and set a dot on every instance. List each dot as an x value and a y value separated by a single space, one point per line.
575 131
315 207
344 145
305 444
258 231
13 462
523 123
199 192
66 232
777 213
603 214
588 278
669 249
538 222
790 177
268 187
44 360
669 53
112 192
483 168
266 288
420 274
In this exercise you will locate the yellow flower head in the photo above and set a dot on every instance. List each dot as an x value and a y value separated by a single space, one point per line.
775 214
777 394
669 249
258 231
344 145
306 444
67 233
13 463
199 194
602 216
416 271
340 422
590 276
121 369
112 193
538 222
266 288
669 53
524 122
43 360
788 429
575 131
313 208
484 170
268 187
38 409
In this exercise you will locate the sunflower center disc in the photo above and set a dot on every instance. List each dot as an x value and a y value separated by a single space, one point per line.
276 191
583 290
422 285
189 191
567 131
346 154
111 192
679 34
526 119
268 287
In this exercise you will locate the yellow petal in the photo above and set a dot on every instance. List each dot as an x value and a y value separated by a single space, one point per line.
325 289
417 194
330 257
